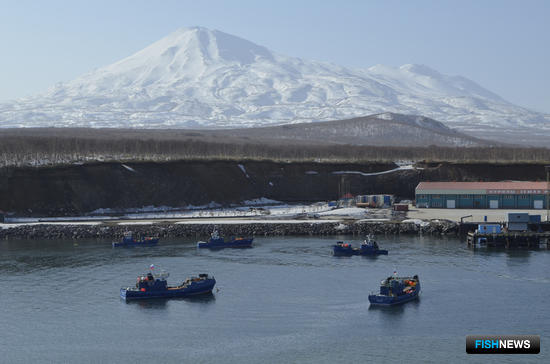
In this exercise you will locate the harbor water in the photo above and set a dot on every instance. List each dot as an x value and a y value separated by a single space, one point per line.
285 300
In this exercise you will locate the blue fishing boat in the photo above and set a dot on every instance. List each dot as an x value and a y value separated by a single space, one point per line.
154 285
129 241
395 290
368 247
217 242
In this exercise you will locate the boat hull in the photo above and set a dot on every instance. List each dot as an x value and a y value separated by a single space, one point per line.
221 244
194 289
374 252
341 251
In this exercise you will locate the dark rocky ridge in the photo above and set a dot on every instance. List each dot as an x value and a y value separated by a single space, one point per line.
388 129
79 189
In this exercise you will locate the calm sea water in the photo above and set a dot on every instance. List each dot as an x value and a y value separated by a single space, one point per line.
285 300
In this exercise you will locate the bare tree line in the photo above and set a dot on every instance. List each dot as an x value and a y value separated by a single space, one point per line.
20 148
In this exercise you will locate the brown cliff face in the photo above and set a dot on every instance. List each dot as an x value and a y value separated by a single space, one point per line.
78 189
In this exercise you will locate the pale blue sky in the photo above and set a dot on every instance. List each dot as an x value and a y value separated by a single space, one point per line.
502 45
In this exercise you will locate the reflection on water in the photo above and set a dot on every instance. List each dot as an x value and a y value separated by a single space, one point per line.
395 311
395 308
156 303
161 303
287 299
371 257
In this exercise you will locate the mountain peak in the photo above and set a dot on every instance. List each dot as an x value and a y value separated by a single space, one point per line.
184 55
213 45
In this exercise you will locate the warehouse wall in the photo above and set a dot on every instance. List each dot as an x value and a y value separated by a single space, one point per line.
463 201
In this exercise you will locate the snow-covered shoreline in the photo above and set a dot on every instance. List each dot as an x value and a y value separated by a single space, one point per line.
260 207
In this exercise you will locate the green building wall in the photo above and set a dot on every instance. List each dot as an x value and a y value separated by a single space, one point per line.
480 201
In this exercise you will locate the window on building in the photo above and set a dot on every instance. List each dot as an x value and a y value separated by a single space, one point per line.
523 197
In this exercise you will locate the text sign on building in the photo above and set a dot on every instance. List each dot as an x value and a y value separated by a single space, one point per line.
515 192
503 344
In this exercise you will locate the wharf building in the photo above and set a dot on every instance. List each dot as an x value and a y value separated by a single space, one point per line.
482 195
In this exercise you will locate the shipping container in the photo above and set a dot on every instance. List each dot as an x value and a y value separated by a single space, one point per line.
401 207
518 217
489 228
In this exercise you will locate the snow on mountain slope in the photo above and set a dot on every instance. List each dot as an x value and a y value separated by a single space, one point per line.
199 77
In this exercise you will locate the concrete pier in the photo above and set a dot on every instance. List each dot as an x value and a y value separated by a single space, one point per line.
525 239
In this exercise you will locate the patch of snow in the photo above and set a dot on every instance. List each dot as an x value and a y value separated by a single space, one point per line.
261 201
385 116
150 208
102 211
312 172
347 211
246 221
135 223
416 222
341 227
129 168
261 207
12 225
373 220
244 170
372 173
210 205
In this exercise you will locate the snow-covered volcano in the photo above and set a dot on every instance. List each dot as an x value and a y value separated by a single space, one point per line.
199 77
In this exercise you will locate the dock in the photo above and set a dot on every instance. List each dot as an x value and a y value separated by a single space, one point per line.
512 239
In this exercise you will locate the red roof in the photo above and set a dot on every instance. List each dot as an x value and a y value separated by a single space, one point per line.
512 185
